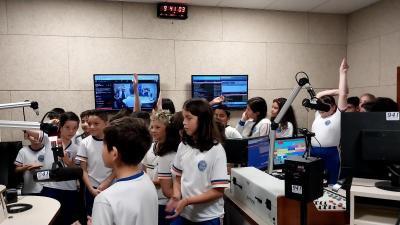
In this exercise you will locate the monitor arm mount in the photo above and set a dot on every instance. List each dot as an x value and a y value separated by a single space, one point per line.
302 82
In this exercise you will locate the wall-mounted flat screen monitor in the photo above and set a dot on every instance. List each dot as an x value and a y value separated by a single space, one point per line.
115 91
233 87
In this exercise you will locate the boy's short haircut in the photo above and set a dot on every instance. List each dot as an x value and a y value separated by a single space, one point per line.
130 136
84 114
224 108
99 113
55 113
353 101
121 113
142 115
68 116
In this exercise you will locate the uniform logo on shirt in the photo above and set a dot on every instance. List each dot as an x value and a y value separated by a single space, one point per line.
202 165
327 122
40 158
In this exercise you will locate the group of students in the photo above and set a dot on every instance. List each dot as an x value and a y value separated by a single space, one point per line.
165 167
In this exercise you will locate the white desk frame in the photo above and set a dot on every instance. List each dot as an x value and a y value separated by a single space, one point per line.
362 214
43 211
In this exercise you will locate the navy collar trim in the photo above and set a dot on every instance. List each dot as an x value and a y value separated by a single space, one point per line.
141 173
97 139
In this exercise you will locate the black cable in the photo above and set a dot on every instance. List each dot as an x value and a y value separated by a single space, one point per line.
23 113
17 208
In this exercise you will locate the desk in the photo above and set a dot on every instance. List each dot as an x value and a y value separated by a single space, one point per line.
43 211
372 212
237 213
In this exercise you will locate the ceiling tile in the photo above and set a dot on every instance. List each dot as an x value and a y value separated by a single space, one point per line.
320 6
253 4
342 6
294 5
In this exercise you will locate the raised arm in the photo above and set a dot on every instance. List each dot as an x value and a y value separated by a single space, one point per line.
343 88
332 92
217 100
137 106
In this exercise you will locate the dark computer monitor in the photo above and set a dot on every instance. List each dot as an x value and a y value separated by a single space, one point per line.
288 147
248 151
233 87
9 152
370 145
114 91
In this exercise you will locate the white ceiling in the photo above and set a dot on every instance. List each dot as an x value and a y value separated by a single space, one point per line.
317 6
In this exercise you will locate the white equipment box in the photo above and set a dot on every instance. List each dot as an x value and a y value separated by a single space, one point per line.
258 190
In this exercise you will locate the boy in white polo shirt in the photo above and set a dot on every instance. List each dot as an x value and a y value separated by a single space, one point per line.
96 176
29 159
133 198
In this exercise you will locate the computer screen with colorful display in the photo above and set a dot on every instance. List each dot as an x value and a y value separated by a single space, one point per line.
287 147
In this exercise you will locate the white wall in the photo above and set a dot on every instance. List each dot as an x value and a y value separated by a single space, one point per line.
374 49
49 50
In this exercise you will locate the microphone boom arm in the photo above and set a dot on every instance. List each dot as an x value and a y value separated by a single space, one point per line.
275 123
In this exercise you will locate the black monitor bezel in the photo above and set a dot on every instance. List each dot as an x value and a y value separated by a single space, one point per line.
224 75
124 74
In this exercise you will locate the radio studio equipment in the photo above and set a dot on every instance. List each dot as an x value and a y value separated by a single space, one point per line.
58 172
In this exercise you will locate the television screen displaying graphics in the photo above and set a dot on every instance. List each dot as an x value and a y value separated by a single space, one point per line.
115 91
288 147
233 87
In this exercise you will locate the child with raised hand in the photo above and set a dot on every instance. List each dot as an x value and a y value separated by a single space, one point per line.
253 122
96 176
200 168
132 199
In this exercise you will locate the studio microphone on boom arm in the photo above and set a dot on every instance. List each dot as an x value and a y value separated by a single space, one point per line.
57 172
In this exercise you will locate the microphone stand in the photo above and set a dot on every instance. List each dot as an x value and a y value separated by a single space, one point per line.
34 105
275 124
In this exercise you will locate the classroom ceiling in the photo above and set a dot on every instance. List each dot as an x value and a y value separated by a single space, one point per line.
315 6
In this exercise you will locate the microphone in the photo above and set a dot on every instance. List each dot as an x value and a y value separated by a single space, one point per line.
316 104
35 107
310 91
58 174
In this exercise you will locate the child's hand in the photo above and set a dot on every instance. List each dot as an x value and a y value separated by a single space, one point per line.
34 166
343 67
245 117
94 191
181 204
217 100
89 220
171 205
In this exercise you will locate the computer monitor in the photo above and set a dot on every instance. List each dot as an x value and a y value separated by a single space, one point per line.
115 91
9 152
369 145
288 147
248 151
233 87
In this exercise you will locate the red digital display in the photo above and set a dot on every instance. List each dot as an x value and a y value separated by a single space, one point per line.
172 10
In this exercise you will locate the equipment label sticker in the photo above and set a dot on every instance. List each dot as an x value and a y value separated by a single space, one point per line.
392 116
297 189
43 175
